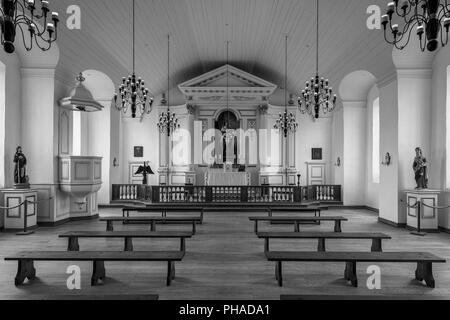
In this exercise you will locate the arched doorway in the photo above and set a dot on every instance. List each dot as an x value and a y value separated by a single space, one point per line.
228 120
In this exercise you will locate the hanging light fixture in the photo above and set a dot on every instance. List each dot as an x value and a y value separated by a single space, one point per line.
428 17
228 133
317 95
80 98
132 91
286 122
20 15
168 122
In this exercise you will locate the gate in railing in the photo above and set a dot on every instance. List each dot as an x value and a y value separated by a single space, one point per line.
226 194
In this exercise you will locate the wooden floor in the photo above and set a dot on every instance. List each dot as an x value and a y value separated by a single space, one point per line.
225 260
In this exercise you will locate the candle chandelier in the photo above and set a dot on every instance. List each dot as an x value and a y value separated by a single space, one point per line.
428 17
22 15
228 133
317 95
168 122
286 122
132 91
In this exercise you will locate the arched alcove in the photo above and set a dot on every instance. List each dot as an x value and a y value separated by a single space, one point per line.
356 85
100 131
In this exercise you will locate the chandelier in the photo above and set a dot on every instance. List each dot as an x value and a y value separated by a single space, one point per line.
428 17
227 133
286 122
132 90
317 95
168 122
21 14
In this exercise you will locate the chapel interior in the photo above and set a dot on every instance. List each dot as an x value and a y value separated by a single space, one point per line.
140 137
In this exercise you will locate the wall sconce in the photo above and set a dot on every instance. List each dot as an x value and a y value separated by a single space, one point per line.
387 160
338 162
115 163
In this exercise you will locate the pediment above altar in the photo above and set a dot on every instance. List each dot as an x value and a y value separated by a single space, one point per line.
242 86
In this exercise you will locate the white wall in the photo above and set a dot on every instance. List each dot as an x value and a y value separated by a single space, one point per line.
372 189
313 135
440 132
146 134
338 146
389 191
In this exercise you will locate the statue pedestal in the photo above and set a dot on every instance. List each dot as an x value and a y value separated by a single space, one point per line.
14 219
429 218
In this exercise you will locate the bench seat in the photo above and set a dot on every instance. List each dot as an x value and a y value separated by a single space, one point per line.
152 221
164 210
26 261
298 220
73 237
424 262
322 236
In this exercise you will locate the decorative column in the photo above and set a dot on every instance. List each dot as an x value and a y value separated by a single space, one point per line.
263 144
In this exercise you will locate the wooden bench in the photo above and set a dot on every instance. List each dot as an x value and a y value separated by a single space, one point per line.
322 236
127 235
164 210
424 262
316 210
361 298
298 220
152 221
26 261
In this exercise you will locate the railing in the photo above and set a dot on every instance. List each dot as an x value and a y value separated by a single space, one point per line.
226 194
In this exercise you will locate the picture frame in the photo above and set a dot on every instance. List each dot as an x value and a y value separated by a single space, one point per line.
317 154
138 152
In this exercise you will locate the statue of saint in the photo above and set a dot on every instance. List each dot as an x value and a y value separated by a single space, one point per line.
420 167
20 168
145 170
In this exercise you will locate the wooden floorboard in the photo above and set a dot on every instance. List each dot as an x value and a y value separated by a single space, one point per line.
225 260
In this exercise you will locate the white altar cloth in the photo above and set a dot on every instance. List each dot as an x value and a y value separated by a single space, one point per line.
227 179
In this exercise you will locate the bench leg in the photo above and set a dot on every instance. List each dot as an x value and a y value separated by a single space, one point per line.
128 244
256 226
424 272
296 226
377 245
279 273
153 226
350 273
98 272
337 227
266 245
73 244
109 226
182 244
170 272
194 228
25 270
321 246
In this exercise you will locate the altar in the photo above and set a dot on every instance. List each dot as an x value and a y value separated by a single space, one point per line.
227 179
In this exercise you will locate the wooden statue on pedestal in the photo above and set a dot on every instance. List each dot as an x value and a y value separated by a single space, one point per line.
21 180
420 167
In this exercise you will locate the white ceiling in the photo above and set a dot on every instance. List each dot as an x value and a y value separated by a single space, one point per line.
198 30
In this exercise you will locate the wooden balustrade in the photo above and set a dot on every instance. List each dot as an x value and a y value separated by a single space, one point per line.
226 194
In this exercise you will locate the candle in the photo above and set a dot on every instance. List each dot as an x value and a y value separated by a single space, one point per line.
55 16
420 30
50 27
45 6
391 7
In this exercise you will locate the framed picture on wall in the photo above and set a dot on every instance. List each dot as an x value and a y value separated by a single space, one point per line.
138 152
317 154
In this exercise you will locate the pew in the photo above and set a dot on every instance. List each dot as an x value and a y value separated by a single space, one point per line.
298 220
424 271
128 236
152 221
163 210
322 236
26 269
